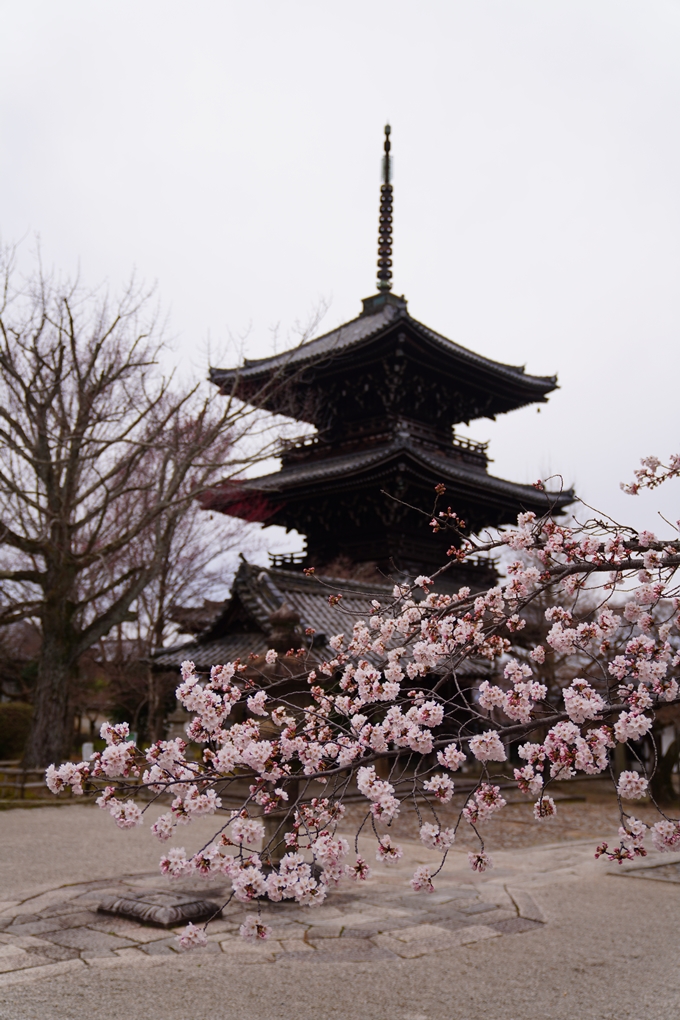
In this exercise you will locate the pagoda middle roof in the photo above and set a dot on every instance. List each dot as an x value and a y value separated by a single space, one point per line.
460 475
382 315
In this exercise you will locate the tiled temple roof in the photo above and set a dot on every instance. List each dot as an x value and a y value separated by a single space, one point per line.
242 626
369 325
458 473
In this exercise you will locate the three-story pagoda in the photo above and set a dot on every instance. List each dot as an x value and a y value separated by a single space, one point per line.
384 393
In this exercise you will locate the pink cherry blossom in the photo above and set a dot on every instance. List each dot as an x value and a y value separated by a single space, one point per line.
254 930
192 937
545 807
422 879
488 747
388 852
480 861
632 786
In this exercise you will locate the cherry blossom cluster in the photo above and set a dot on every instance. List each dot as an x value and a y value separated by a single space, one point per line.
386 718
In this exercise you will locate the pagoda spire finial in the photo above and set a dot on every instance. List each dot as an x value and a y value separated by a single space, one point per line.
385 221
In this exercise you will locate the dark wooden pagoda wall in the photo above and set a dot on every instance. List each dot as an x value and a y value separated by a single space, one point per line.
397 375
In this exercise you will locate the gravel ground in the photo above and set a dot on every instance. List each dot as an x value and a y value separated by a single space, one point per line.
608 950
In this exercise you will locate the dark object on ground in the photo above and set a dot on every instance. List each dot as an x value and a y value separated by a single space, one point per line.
164 910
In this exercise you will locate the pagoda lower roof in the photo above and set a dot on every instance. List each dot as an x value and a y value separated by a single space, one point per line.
258 591
264 377
457 475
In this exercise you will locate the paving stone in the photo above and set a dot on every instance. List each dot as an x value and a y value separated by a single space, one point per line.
478 908
435 940
334 951
375 914
319 914
411 950
526 905
61 909
7 952
71 919
89 940
129 930
515 925
24 941
319 931
168 947
451 921
361 933
474 933
223 925
35 927
56 928
445 896
15 958
7 906
497 914
131 955
418 932
657 872
53 952
348 945
98 954
456 925
295 946
287 931
40 905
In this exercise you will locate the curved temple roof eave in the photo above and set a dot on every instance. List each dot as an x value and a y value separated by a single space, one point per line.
289 483
351 336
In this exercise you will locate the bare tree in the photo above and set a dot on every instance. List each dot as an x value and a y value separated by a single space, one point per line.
101 458
196 570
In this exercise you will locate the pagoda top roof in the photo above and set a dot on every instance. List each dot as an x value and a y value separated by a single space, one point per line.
384 318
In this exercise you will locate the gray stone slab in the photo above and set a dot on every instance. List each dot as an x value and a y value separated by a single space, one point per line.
341 945
324 931
99 954
53 951
35 927
168 947
657 873
21 961
333 951
450 923
478 908
59 909
76 920
125 929
89 940
515 925
526 905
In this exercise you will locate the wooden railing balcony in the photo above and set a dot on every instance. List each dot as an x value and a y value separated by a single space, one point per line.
376 432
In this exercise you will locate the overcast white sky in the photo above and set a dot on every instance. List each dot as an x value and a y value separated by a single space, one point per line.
230 152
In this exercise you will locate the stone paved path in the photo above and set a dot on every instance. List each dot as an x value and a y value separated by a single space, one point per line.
548 934
61 929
